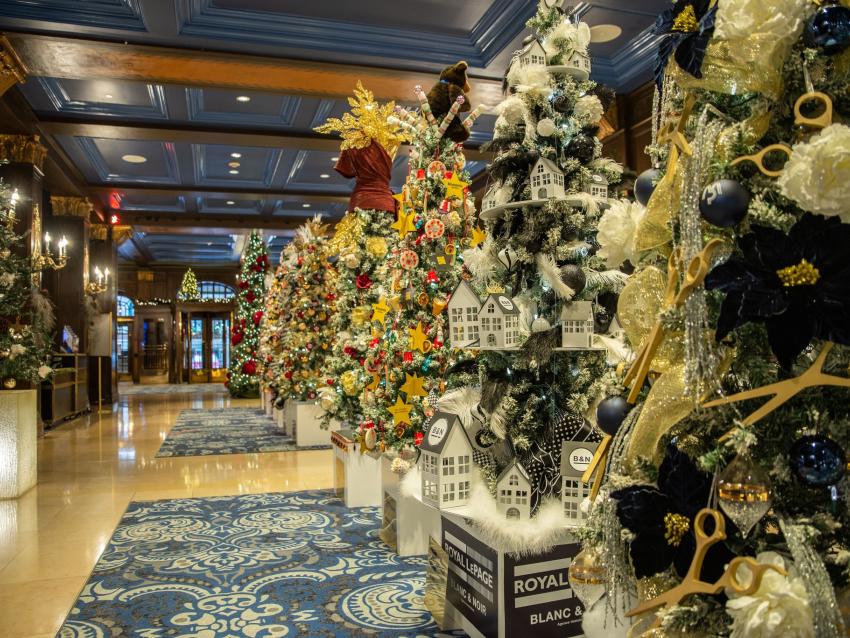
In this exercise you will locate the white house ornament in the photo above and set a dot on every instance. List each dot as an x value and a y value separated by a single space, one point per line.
445 462
513 492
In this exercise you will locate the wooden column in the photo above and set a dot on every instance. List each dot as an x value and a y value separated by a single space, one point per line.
12 70
69 217
103 379
24 172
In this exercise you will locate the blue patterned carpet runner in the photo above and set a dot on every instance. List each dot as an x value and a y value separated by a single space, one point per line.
226 431
258 566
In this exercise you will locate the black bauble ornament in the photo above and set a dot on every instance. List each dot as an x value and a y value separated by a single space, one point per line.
562 104
817 460
829 29
645 185
582 148
574 277
724 203
610 414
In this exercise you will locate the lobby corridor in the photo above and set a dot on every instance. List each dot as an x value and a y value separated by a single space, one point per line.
89 471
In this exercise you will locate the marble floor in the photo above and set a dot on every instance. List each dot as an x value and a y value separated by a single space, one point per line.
89 471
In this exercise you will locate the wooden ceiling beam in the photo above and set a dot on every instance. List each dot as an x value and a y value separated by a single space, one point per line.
156 221
79 59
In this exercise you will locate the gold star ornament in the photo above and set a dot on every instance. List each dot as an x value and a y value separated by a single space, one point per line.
380 310
400 412
404 224
419 339
478 236
414 386
454 186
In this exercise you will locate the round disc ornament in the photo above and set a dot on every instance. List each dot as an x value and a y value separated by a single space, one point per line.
724 203
645 185
436 168
817 460
408 259
610 414
434 228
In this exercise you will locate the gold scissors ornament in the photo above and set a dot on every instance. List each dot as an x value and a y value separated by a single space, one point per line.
695 274
692 584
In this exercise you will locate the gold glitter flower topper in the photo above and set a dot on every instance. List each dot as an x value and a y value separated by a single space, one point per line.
366 122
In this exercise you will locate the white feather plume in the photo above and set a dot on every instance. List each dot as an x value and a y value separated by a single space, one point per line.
549 273
588 201
461 402
498 421
533 77
607 165
482 261
527 309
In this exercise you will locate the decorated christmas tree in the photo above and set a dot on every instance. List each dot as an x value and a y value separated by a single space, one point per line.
272 326
189 287
410 355
723 509
306 335
362 243
26 316
242 378
536 307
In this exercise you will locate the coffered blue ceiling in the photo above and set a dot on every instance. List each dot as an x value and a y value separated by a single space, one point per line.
180 151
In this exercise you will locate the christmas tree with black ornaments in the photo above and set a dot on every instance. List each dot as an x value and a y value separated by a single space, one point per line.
242 378
723 509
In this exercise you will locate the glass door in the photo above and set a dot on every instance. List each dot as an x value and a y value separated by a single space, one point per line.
122 349
219 348
198 360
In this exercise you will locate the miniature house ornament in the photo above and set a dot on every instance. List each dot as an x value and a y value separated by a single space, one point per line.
575 459
597 187
498 323
577 325
513 492
464 307
446 462
532 54
547 180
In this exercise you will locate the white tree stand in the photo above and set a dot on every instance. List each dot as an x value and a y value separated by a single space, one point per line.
268 402
18 436
278 416
357 477
407 522
303 422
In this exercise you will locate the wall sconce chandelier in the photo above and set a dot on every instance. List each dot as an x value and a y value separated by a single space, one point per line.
100 283
47 260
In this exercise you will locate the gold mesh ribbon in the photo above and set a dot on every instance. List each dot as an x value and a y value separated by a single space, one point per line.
349 230
654 229
752 64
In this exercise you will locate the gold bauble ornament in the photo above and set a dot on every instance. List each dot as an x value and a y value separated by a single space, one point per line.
348 381
376 246
9 383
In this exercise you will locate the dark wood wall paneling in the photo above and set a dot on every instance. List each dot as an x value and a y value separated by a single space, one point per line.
163 282
631 117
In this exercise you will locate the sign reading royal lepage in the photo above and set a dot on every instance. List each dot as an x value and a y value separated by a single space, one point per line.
539 601
472 580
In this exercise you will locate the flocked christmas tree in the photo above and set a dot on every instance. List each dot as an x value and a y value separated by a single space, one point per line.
271 328
361 244
189 287
26 316
739 313
306 333
411 355
535 307
242 378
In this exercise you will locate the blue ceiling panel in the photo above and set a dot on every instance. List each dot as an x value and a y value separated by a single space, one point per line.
231 206
110 14
108 158
314 170
214 165
135 100
328 211
214 106
153 203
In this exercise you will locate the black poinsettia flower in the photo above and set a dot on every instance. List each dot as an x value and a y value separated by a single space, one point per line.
662 519
797 284
685 30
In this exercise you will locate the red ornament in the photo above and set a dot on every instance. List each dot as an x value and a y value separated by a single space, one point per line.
408 259
408 357
420 173
249 368
269 359
287 375
351 352
258 317
243 285
330 381
446 206
417 438
236 339
431 277
368 425
250 296
363 282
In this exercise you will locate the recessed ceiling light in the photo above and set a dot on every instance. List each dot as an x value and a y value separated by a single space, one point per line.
305 205
335 159
324 176
233 171
108 96
243 98
236 155
602 33
230 202
209 243
234 164
134 159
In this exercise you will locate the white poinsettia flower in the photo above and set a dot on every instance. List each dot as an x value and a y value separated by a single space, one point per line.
616 232
16 350
588 109
738 19
817 176
7 279
567 36
44 371
779 607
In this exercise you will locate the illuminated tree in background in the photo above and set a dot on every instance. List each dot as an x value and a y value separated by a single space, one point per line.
243 380
189 287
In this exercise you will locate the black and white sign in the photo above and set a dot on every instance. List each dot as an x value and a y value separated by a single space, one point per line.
538 599
473 578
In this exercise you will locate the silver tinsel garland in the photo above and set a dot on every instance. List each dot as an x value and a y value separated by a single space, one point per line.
826 616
